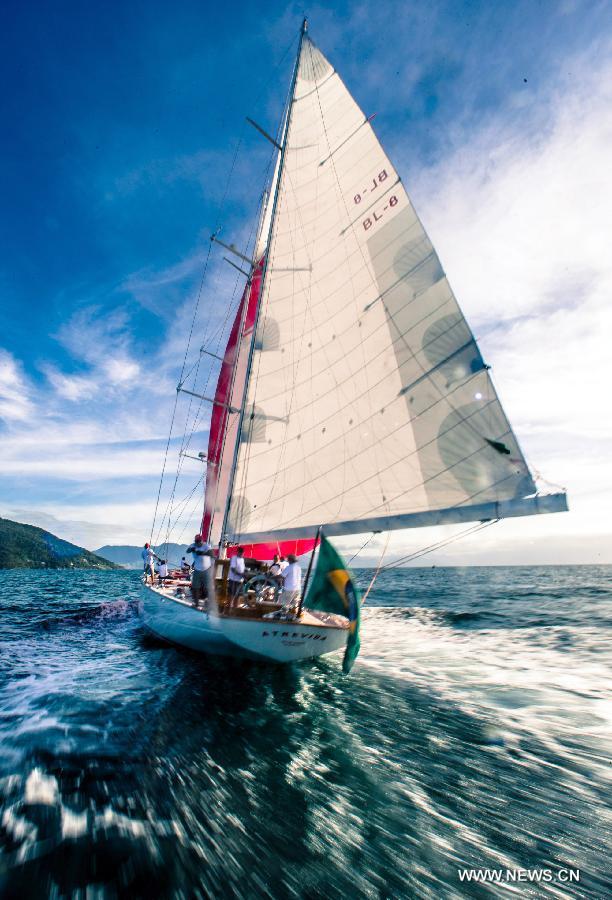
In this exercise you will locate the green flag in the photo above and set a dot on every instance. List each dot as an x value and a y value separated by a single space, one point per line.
333 590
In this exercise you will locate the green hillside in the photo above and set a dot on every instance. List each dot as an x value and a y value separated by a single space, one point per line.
129 557
24 546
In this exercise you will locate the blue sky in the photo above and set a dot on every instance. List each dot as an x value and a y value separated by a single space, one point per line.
121 122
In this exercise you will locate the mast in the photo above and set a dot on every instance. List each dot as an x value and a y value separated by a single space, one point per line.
232 477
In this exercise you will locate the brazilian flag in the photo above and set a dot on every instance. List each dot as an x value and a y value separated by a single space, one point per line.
332 590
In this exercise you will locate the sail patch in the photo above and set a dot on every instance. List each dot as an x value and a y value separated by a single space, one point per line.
239 514
417 263
450 348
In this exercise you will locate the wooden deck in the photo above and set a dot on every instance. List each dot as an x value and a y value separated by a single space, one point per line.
242 608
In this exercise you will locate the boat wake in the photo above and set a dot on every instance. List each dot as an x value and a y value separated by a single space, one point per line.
458 740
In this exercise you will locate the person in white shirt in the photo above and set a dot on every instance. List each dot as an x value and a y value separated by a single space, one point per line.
185 566
162 570
202 562
275 569
292 583
148 557
236 573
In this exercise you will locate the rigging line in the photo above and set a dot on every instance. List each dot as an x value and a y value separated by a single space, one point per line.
189 519
220 209
182 506
166 543
220 442
552 484
378 568
180 379
363 546
186 441
438 545
184 500
223 431
287 120
161 479
429 548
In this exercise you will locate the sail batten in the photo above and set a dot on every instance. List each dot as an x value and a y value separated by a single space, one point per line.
367 398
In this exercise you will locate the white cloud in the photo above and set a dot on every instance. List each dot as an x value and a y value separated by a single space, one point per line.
15 400
520 216
83 463
121 370
70 387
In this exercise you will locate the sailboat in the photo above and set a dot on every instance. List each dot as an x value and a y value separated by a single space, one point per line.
352 396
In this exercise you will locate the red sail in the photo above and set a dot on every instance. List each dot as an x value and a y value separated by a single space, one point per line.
217 471
220 443
268 550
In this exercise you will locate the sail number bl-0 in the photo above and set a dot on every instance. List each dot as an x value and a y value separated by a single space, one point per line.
382 176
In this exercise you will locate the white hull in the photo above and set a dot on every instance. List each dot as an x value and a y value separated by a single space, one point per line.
178 622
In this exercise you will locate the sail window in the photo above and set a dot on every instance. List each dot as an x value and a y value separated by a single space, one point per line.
254 427
269 338
417 263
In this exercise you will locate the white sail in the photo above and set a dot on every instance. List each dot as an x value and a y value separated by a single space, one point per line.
368 400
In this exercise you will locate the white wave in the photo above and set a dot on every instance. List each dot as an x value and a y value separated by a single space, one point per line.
40 788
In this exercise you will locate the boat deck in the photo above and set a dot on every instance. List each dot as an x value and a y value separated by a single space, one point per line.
178 590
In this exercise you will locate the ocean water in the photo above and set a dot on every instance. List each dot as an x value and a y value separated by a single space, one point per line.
474 732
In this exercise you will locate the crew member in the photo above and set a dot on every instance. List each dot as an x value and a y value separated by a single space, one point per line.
292 583
202 562
162 570
236 573
275 569
148 557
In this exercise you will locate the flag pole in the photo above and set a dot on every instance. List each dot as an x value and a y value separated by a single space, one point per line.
309 570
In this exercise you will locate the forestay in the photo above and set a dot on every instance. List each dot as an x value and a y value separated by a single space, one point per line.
368 400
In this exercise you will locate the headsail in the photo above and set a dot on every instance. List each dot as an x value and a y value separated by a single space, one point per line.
223 424
368 402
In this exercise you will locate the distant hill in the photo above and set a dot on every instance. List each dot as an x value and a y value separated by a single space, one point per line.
130 557
24 546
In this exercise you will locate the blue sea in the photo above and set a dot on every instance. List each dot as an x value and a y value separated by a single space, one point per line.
473 733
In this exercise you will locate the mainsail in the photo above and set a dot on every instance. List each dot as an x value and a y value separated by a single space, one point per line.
368 404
